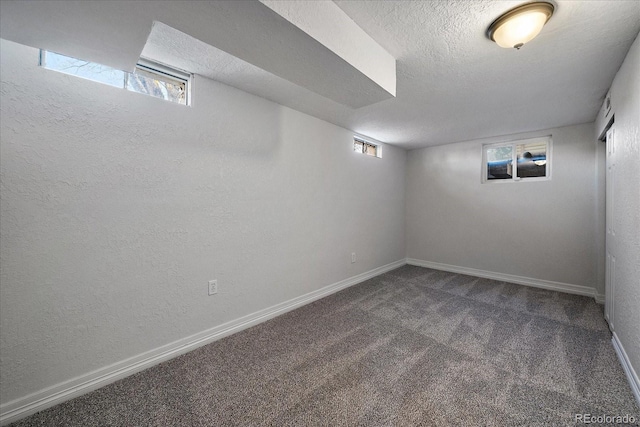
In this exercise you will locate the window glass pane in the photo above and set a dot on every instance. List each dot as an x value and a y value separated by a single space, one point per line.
532 159
156 85
85 69
499 162
358 146
371 149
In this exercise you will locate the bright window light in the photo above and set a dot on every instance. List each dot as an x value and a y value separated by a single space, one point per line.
365 147
513 161
158 81
148 78
79 68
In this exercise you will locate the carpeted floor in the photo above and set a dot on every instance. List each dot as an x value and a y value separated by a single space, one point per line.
413 346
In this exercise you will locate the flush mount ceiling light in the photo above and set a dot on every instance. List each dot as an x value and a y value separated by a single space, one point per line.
520 25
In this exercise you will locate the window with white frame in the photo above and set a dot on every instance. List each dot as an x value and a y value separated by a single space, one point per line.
366 147
148 78
528 159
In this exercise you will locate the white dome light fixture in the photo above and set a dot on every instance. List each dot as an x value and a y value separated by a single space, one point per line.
520 25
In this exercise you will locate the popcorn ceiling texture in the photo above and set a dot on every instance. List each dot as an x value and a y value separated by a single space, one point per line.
412 347
454 84
117 208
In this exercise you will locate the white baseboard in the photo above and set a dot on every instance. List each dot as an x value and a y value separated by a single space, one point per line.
634 382
527 281
599 298
25 406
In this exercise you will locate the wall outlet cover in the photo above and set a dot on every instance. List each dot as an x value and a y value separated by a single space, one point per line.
213 287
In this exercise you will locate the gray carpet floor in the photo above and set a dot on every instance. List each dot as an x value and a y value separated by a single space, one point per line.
413 346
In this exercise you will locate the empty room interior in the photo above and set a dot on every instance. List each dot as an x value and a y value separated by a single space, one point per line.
321 212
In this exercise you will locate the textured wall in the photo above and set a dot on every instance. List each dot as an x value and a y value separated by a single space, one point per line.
542 230
625 101
117 208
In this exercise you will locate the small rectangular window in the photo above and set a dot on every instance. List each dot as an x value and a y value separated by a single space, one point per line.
517 160
148 78
365 147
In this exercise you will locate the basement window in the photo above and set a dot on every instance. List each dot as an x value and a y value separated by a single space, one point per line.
528 159
158 81
148 78
366 147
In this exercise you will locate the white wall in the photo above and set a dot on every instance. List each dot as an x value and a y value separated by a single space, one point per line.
625 101
543 230
117 208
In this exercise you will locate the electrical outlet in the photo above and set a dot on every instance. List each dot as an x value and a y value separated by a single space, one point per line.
213 287
353 257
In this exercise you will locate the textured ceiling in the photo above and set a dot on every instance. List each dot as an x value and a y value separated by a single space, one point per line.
453 84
